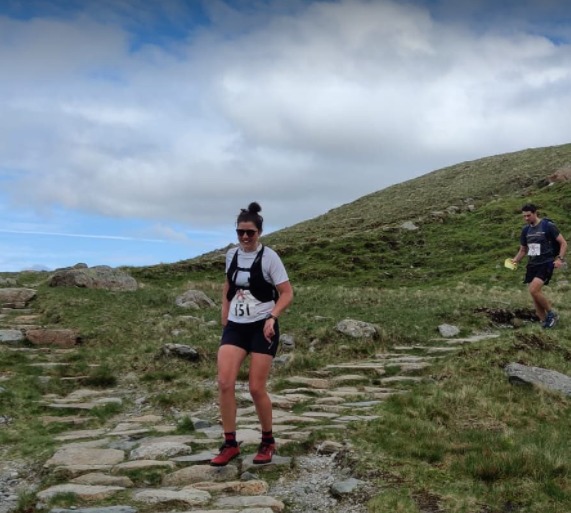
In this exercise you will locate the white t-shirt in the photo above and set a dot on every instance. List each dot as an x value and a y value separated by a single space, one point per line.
244 307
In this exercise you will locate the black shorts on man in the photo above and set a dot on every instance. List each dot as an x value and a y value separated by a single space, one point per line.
541 271
250 337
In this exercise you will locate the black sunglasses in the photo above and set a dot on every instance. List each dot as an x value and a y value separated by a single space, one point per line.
249 233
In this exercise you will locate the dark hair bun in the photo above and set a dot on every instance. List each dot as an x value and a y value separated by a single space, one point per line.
254 207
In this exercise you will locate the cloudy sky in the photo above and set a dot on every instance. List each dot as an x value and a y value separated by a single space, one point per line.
133 131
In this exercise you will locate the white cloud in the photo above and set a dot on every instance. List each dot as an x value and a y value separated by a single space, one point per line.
302 110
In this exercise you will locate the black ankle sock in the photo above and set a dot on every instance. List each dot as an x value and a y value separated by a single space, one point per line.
230 439
268 437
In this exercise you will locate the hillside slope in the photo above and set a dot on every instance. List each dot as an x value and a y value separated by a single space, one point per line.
467 217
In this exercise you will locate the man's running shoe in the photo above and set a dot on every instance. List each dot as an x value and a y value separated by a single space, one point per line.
265 453
550 320
227 453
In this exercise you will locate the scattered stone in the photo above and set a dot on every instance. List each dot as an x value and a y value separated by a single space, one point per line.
287 342
195 299
11 337
98 277
448 331
14 297
53 337
329 447
180 351
409 226
341 488
545 378
357 329
281 360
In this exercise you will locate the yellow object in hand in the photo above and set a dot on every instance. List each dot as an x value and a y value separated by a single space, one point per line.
510 264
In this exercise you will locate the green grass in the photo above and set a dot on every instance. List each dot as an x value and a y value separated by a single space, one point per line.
464 441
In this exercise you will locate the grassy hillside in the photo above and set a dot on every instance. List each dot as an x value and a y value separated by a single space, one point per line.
468 217
465 439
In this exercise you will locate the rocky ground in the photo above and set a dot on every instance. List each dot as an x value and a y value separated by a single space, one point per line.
97 465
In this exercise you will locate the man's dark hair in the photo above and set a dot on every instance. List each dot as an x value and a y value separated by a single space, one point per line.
529 207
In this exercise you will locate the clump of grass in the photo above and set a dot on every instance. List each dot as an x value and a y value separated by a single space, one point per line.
184 426
182 398
101 377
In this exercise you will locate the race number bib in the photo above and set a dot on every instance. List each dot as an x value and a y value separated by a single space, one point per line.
244 304
534 249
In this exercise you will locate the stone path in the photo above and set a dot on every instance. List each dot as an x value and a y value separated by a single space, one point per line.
137 461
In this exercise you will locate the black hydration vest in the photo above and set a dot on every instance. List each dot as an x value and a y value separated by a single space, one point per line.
261 289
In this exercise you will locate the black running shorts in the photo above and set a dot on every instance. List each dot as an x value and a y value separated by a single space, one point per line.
541 271
250 337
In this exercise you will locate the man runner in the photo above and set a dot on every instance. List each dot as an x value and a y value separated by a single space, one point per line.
539 240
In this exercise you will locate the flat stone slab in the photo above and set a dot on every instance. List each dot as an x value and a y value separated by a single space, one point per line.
467 340
545 378
85 456
410 367
262 501
318 383
11 336
378 367
401 379
312 392
72 419
71 471
141 465
388 358
362 404
329 400
319 415
100 479
277 461
160 450
85 406
147 419
189 496
101 509
84 492
252 487
201 457
356 418
198 473
348 378
77 435
329 408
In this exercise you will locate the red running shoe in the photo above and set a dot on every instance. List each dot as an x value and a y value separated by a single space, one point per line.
265 453
227 453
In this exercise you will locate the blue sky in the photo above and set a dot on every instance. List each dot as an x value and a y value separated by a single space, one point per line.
132 132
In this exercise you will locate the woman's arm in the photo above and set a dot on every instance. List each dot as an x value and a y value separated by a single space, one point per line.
225 303
286 297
